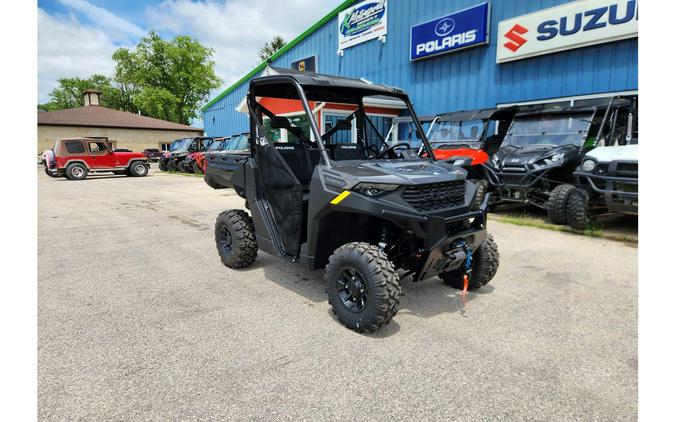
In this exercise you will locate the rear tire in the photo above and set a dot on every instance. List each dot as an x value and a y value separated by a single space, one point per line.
235 239
481 190
138 169
557 204
76 171
578 215
362 286
171 166
484 265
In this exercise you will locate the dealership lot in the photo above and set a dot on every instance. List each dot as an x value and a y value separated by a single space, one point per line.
138 319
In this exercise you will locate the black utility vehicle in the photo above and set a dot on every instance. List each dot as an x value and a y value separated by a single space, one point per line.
220 164
540 152
174 160
362 210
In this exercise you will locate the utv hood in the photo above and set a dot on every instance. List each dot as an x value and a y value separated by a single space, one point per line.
398 172
614 153
513 157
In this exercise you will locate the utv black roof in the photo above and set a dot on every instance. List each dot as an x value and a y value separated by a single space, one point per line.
544 110
408 119
558 111
319 87
480 114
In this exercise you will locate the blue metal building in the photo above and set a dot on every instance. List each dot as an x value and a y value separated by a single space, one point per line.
596 58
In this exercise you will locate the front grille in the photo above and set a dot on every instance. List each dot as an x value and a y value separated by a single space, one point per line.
513 179
435 196
627 169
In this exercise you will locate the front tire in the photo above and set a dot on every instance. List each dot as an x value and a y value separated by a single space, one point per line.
235 239
196 169
362 286
578 215
162 165
557 204
484 265
171 166
138 169
76 171
481 190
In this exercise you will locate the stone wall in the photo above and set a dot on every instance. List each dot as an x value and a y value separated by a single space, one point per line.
133 139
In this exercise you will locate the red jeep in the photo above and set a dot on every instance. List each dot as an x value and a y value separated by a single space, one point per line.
74 158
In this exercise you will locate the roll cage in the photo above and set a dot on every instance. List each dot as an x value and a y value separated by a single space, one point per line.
306 87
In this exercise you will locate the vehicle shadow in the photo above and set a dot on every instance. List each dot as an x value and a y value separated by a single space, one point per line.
101 176
424 299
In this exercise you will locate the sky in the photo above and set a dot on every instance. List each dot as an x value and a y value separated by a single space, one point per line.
78 37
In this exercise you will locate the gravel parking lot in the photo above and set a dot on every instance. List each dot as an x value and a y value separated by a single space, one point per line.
138 320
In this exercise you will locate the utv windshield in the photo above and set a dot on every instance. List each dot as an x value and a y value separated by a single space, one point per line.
453 133
181 145
549 131
215 146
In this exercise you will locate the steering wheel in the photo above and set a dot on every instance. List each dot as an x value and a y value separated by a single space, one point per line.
373 150
389 149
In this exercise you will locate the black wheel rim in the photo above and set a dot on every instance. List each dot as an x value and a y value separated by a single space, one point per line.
352 290
225 240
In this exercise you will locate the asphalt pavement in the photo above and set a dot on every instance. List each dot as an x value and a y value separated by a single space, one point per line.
139 320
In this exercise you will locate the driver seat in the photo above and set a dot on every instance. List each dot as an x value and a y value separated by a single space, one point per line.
350 151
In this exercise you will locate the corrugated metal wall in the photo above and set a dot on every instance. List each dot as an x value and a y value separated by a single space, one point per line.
463 80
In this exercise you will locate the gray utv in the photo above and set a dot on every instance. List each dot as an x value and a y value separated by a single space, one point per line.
369 212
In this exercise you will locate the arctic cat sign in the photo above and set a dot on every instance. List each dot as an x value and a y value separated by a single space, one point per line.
565 27
362 22
456 31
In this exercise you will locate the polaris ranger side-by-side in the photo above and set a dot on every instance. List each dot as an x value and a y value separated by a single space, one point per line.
541 150
367 211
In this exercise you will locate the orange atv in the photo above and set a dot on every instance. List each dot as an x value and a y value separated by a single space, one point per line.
469 139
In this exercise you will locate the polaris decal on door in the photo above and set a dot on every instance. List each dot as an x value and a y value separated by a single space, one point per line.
572 25
364 21
456 31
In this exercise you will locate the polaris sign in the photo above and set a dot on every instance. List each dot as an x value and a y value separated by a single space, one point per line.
573 25
456 31
362 22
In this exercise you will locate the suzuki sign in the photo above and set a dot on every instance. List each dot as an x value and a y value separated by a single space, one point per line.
573 25
456 31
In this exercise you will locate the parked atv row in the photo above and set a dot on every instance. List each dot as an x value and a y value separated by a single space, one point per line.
187 155
575 162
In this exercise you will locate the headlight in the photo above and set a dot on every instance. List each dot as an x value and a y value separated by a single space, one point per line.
373 189
557 157
588 165
462 162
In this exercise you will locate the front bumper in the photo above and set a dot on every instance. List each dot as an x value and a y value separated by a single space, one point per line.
620 193
443 237
519 185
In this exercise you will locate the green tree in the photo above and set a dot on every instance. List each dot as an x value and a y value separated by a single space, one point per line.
167 79
69 92
269 48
